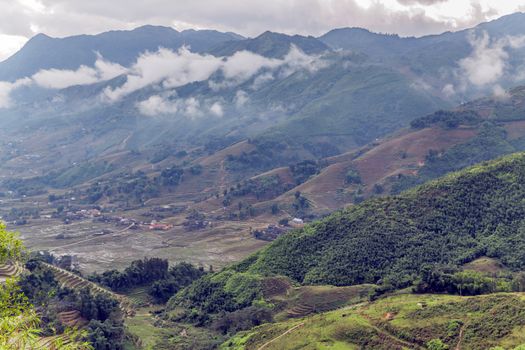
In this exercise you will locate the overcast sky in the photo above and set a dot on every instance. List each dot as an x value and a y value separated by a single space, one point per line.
21 19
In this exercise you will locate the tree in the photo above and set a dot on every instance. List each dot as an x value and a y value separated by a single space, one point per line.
11 247
436 344
19 322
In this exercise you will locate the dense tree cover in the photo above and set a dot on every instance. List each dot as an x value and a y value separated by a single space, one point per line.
133 187
436 279
447 119
21 324
140 272
454 220
43 291
163 281
243 319
171 176
224 292
263 187
268 154
98 306
352 176
62 178
179 276
300 204
490 143
106 335
22 215
302 171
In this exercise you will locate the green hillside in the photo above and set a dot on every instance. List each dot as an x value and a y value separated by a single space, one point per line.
400 322
476 212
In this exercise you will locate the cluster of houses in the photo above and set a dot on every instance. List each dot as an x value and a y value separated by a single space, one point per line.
135 224
272 232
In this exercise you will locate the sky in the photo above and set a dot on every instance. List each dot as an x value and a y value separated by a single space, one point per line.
22 19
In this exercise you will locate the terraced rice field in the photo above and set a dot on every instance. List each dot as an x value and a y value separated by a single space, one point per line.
72 281
9 271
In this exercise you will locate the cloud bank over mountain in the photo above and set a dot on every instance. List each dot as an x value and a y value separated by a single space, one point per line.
167 70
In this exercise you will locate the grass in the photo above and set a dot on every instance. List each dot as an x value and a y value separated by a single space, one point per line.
139 296
400 321
306 300
142 326
485 265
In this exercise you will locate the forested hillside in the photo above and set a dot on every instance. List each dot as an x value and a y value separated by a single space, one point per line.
478 211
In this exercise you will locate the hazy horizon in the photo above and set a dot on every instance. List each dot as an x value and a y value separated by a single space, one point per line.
22 19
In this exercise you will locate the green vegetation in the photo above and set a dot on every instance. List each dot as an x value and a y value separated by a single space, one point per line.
263 187
473 213
302 171
352 176
163 281
447 119
226 291
20 322
490 143
11 247
450 280
400 322
133 187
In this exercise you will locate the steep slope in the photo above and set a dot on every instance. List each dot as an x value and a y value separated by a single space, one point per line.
478 211
435 145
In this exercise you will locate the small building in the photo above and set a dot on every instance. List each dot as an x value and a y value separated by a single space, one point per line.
272 232
160 227
296 223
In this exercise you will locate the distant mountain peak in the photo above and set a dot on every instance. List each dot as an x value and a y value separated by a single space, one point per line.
119 46
273 44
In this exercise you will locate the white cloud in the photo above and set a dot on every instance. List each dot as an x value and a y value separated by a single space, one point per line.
261 80
10 44
216 109
241 98
170 105
298 60
61 79
488 62
174 69
192 107
449 90
500 93
244 64
157 105
6 88
171 69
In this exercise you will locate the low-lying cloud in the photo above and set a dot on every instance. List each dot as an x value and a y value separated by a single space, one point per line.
6 88
170 104
487 65
61 79
169 70
172 69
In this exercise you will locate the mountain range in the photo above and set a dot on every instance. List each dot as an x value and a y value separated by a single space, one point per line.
315 96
